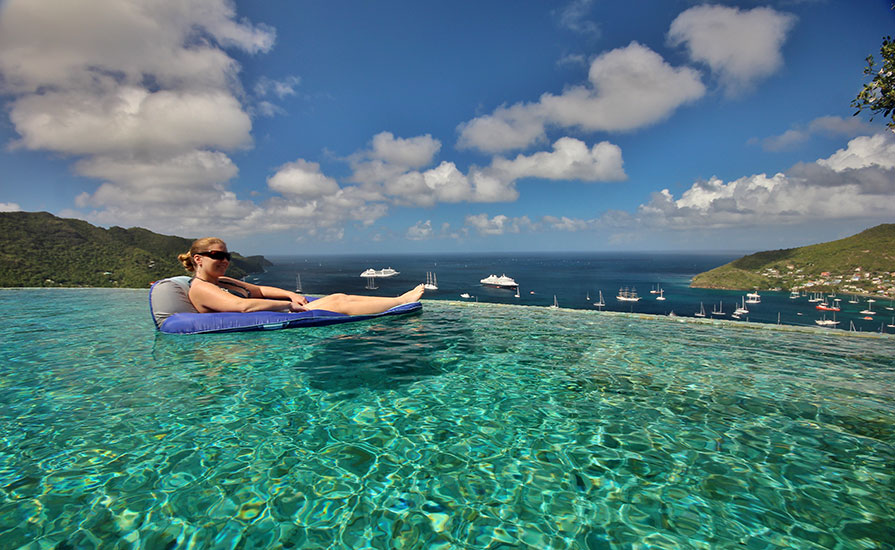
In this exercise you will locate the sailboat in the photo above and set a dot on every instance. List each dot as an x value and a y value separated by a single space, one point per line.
371 283
588 296
741 310
826 322
600 304
661 295
298 282
869 310
555 303
720 310
431 281
892 324
701 312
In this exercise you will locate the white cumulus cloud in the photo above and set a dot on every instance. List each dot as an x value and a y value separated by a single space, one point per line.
570 160
146 98
741 47
627 88
302 179
9 207
855 182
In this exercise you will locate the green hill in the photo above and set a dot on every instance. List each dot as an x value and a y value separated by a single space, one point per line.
40 249
863 263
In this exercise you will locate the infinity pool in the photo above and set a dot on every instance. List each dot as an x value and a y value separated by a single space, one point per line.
466 426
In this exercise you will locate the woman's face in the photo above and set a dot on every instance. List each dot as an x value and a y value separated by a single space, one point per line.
211 260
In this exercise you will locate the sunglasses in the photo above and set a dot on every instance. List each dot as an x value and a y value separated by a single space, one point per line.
215 254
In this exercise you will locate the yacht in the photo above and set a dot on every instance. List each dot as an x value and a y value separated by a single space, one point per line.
753 298
701 312
499 282
387 272
661 295
625 295
742 309
720 310
869 310
465 295
600 303
431 281
827 322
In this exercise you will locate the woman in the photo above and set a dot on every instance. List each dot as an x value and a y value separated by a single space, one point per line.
210 291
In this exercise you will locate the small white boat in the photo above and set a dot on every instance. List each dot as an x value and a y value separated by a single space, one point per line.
661 295
465 295
753 298
720 310
431 281
298 282
600 303
555 303
384 273
869 310
701 312
741 310
827 322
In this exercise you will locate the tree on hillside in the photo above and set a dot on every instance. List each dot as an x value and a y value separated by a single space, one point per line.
878 95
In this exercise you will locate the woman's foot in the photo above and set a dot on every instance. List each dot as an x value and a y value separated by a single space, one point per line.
413 295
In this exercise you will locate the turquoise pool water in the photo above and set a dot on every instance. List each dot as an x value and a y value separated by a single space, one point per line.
467 426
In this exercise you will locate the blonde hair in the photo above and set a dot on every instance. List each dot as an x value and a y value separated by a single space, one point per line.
199 245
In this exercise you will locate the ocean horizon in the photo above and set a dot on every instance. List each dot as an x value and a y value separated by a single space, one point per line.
575 279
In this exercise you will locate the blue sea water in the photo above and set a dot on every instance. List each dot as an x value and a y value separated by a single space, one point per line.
469 425
572 278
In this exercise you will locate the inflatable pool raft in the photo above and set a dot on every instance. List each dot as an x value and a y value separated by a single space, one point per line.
173 313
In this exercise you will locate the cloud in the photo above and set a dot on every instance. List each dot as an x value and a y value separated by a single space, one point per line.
828 126
10 207
627 88
302 179
498 225
574 17
419 231
570 160
855 182
278 88
740 47
143 95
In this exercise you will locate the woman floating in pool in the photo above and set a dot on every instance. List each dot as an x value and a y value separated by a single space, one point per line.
210 291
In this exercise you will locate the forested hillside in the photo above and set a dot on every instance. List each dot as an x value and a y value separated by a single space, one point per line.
40 249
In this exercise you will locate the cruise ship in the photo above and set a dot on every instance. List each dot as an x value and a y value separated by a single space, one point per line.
499 282
387 272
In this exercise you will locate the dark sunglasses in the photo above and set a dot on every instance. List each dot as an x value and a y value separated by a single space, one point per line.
215 255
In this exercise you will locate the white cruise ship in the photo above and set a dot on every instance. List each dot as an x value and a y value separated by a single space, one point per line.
387 272
499 282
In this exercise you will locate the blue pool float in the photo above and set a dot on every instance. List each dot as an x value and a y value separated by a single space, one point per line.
173 313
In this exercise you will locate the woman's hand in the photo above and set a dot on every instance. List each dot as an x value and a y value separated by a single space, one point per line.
296 306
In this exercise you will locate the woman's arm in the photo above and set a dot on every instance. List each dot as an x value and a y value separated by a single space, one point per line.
210 298
268 292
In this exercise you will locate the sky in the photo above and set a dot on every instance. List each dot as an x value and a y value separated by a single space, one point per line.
307 127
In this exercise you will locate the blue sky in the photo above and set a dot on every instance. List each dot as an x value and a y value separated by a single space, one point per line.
291 127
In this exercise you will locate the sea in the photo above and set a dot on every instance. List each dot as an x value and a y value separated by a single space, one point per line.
575 281
492 422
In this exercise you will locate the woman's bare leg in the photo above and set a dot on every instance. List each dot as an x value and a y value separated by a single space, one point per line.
350 304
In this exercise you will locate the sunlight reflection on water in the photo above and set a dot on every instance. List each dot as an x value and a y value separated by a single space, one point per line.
468 426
